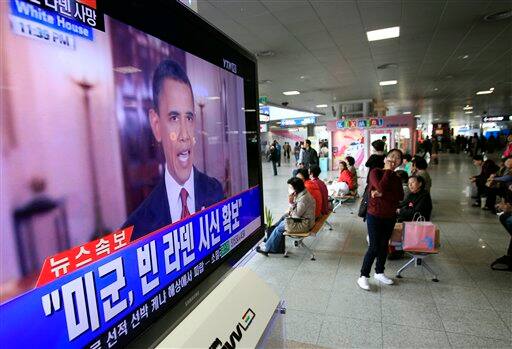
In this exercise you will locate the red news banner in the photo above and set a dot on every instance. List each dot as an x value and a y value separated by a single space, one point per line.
68 261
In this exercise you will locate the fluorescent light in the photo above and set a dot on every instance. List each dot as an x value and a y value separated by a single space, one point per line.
417 116
322 106
407 112
381 34
212 98
491 89
468 112
467 107
485 92
388 82
291 93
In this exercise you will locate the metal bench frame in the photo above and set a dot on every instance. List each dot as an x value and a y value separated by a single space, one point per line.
299 237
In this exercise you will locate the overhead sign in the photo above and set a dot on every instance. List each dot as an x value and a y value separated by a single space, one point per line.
360 123
109 302
265 110
264 118
298 122
500 118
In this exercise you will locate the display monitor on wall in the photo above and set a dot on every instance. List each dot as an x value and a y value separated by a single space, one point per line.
129 166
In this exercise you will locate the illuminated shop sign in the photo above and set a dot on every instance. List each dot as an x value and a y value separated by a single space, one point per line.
265 110
360 123
500 118
264 118
299 122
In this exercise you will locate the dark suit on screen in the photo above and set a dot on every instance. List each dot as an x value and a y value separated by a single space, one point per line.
153 213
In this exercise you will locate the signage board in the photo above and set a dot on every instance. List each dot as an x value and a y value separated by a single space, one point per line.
360 123
299 121
499 118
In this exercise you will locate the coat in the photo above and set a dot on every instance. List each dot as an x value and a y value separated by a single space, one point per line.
304 207
419 202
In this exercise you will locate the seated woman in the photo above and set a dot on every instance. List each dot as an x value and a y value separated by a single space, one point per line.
352 168
417 202
302 206
313 188
345 182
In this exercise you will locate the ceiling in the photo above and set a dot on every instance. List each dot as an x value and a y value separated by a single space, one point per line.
445 52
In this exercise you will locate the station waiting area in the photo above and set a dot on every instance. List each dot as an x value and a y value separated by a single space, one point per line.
470 306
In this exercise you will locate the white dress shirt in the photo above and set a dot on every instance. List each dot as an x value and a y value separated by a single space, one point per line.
173 194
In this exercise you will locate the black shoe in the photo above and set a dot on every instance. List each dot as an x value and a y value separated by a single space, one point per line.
259 250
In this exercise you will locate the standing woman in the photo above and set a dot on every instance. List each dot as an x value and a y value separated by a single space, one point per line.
386 192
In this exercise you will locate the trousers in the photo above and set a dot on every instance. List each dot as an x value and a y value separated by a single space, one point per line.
379 232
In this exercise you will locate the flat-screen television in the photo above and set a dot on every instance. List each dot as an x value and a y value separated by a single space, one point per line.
130 172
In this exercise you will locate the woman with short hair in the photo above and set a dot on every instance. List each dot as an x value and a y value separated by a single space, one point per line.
417 202
302 206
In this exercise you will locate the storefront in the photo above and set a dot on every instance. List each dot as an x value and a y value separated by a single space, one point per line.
353 137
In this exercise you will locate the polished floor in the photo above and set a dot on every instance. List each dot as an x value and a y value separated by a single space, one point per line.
471 306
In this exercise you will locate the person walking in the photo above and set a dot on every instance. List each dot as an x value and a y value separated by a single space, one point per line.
273 158
310 156
296 151
386 192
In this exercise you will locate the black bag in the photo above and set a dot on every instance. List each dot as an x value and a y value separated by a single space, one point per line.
363 206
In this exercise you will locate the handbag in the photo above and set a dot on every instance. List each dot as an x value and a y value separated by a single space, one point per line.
420 235
296 225
363 206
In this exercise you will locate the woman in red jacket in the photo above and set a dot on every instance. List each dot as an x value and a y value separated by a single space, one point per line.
346 176
386 192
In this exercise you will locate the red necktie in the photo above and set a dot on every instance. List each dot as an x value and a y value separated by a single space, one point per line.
184 209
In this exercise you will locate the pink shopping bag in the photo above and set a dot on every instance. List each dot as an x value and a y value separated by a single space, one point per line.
420 236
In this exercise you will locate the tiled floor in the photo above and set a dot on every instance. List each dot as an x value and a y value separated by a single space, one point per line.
470 307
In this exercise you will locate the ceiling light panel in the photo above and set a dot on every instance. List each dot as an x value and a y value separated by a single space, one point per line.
388 82
291 93
382 34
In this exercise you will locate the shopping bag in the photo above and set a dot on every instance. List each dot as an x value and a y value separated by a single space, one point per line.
420 236
396 235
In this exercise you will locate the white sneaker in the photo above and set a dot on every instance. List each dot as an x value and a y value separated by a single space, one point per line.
383 278
364 283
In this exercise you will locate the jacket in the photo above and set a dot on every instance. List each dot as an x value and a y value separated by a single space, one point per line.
325 194
314 190
304 207
419 202
154 213
309 157
347 177
390 185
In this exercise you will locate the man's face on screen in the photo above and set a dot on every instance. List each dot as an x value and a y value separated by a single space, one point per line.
173 126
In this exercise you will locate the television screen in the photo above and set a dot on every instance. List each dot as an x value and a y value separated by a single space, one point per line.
129 168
